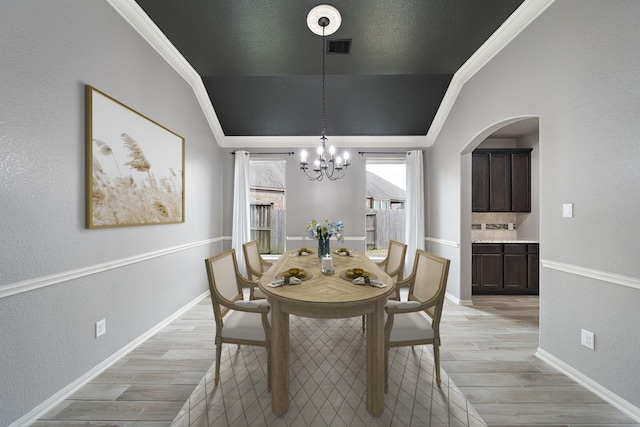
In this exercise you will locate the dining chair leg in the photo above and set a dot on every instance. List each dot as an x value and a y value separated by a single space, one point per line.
364 322
436 358
218 356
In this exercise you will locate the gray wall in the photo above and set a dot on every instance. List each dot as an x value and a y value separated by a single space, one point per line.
576 67
49 52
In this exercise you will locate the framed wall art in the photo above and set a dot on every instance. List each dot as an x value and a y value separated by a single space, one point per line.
135 167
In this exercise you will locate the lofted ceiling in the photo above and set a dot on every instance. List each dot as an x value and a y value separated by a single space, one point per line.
261 65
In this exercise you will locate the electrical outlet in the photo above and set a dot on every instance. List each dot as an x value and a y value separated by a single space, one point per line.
101 327
588 339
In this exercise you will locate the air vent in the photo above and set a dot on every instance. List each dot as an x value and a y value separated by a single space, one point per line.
339 46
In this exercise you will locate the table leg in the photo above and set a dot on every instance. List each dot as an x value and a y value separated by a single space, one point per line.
279 359
375 360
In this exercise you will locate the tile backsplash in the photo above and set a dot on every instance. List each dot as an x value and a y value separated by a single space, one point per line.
494 226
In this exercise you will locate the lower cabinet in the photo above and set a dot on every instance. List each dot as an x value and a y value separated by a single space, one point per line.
505 269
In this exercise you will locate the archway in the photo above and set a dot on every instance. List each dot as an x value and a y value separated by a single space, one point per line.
515 132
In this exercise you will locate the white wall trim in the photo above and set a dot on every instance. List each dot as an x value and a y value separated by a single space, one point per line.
54 279
56 399
140 21
604 276
443 242
517 22
458 301
589 384
310 239
520 19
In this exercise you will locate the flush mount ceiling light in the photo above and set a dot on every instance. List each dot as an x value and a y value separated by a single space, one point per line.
324 20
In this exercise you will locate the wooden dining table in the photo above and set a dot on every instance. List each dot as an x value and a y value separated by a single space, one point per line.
328 296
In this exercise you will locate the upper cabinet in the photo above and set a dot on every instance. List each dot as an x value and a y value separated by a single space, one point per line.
501 180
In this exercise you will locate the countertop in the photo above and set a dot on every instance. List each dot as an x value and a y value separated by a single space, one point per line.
505 241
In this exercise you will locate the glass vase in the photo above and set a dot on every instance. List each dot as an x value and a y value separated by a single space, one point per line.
323 248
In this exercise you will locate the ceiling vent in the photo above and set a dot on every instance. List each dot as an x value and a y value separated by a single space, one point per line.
339 46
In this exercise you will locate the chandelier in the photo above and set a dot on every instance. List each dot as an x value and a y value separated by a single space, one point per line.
324 20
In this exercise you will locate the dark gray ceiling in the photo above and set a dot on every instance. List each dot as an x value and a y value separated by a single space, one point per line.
262 66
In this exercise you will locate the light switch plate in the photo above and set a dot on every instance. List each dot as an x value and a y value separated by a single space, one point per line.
567 210
101 327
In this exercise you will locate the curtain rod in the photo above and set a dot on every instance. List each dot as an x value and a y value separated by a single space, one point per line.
289 153
362 153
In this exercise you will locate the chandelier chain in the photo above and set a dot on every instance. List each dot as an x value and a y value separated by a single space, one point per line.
323 116
327 164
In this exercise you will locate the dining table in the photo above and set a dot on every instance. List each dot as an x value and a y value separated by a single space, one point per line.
329 294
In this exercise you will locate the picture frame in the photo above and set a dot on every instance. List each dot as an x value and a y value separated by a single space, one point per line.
135 167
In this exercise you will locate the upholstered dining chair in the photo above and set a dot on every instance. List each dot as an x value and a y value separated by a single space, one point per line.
417 320
237 321
256 266
393 265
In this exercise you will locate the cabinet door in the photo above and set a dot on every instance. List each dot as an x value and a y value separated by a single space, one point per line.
515 267
480 182
500 182
521 182
490 272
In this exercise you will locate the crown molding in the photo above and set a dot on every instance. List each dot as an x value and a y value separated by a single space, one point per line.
519 20
373 141
140 21
514 25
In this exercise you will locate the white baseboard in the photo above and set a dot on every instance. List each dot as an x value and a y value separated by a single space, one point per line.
605 394
40 410
457 300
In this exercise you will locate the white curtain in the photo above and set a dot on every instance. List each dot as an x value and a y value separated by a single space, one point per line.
241 232
414 228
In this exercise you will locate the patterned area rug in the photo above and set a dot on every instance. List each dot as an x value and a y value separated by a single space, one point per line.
327 385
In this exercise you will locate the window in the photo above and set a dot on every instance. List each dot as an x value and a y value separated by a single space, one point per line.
385 201
267 203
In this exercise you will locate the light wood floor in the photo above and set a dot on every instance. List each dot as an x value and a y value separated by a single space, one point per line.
491 377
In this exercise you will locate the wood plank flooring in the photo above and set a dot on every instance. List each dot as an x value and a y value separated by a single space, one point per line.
488 352
491 377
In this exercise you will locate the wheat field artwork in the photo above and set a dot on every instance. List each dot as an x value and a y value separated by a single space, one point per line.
135 167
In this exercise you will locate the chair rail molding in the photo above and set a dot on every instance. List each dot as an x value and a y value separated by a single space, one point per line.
617 279
443 242
307 238
54 279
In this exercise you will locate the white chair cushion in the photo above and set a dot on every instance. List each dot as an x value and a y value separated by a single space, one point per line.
257 293
411 326
243 325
